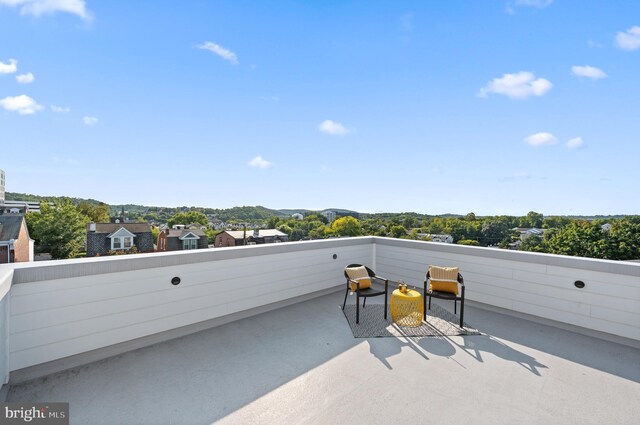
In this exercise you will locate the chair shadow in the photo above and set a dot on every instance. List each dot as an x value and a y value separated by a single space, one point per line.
475 345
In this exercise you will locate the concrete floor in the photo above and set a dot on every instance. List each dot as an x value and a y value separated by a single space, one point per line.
301 364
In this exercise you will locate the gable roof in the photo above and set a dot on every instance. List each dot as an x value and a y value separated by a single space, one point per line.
10 226
112 227
181 233
121 232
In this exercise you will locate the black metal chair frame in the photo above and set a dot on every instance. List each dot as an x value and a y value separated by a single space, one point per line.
445 296
366 292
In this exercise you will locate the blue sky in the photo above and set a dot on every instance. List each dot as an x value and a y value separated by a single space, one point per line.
495 107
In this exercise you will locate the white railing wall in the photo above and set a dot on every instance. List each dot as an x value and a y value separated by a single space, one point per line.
65 308
71 308
535 284
6 276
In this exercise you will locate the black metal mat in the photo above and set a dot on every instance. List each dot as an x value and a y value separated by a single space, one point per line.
372 324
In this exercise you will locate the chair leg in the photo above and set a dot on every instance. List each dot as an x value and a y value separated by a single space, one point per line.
385 305
462 309
357 309
429 303
345 298
424 302
455 306
364 303
424 308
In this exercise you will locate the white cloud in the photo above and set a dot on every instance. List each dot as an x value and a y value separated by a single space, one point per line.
9 67
225 54
260 162
534 3
23 104
43 7
25 78
333 128
90 120
630 39
541 139
575 143
517 86
588 72
60 109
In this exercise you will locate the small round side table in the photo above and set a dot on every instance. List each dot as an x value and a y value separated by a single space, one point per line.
407 308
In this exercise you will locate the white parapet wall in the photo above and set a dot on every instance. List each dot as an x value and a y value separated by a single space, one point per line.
65 308
60 309
6 276
540 285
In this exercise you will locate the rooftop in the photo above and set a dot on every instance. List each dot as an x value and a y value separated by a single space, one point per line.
293 359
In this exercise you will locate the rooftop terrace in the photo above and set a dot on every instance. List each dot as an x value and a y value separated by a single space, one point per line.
256 335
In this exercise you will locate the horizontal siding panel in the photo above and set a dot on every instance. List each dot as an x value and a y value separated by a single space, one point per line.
622 317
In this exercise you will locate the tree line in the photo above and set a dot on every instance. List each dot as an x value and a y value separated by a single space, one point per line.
61 229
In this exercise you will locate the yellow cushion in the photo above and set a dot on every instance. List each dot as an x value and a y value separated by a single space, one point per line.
443 279
359 274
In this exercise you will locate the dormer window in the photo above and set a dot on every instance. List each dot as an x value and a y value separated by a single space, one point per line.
190 244
189 240
121 239
124 242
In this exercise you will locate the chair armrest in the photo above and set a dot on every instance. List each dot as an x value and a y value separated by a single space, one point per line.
385 280
354 281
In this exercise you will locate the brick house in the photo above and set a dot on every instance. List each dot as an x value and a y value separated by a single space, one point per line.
254 237
15 244
181 239
105 237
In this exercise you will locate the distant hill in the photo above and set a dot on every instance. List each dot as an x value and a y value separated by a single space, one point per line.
247 213
14 196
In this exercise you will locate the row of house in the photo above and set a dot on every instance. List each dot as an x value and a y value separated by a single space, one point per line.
105 238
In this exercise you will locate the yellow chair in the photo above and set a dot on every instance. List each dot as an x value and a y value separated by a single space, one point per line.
445 283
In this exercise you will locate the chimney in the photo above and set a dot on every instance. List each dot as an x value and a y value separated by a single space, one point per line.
92 227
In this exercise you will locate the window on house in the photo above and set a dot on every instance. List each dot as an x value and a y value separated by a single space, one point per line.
190 244
122 242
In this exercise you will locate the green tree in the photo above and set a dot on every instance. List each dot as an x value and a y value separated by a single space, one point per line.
346 226
580 238
188 218
533 243
398 231
98 213
61 228
493 232
533 219
468 242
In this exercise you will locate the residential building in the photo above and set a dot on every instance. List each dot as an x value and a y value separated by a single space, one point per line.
252 237
105 237
444 238
181 239
15 207
331 215
525 232
15 244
